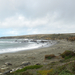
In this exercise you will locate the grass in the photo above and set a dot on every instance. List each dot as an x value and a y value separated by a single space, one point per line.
30 67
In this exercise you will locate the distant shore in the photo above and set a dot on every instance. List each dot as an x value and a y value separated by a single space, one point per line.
35 56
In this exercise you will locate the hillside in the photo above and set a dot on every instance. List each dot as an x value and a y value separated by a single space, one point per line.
42 36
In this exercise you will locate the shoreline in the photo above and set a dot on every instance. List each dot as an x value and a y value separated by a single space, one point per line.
35 56
48 44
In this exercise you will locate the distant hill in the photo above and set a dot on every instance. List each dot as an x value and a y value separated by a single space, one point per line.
42 36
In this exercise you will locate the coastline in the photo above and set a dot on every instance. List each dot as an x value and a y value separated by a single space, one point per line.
37 45
36 55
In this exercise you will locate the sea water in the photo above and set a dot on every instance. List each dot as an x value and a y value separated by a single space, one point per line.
14 45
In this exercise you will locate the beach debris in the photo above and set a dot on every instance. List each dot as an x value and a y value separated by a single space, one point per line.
7 63
25 63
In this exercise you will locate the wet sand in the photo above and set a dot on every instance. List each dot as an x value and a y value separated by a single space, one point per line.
36 55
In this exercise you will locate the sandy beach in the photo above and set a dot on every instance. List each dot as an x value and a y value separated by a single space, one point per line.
35 56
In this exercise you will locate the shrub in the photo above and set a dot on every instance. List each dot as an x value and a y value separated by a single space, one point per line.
44 72
71 38
61 71
49 56
68 54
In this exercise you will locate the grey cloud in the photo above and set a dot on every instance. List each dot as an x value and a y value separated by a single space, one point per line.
47 15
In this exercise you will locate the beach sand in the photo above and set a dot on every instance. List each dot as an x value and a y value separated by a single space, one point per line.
36 56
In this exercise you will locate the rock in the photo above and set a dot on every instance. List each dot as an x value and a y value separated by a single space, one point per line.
53 62
7 63
12 70
44 63
18 68
59 53
4 69
25 63
31 58
6 56
37 64
3 65
62 60
6 72
1 73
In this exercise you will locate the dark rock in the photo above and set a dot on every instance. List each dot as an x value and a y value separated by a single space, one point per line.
37 64
7 72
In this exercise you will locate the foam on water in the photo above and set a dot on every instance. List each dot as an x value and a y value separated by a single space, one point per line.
10 45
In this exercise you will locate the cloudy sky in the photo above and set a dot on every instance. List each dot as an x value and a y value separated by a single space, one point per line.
24 17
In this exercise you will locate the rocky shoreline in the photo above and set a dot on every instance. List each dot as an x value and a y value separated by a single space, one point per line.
10 62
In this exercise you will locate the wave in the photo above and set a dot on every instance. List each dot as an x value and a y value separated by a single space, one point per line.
7 45
33 46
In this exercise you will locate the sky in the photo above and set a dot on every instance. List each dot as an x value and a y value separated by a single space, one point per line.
26 17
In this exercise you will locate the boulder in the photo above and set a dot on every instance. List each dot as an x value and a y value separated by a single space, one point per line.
7 63
25 63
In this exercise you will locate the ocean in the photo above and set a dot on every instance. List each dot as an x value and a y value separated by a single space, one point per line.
14 45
